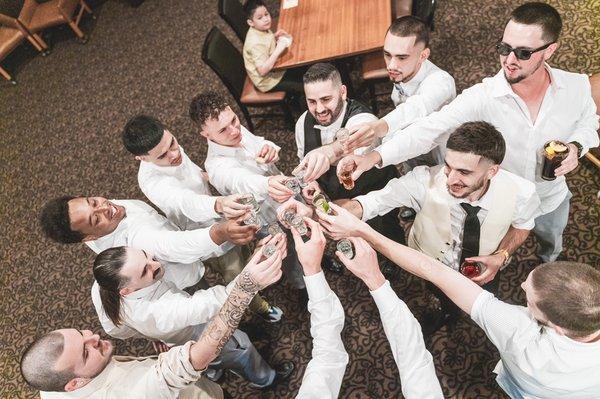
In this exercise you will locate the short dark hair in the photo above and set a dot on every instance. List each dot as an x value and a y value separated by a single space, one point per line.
251 6
479 138
141 134
107 273
410 25
56 223
568 293
38 360
207 105
320 72
541 14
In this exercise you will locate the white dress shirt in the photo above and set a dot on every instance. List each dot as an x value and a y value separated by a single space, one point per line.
181 192
536 362
411 190
428 91
328 132
415 364
144 228
325 371
170 376
162 312
234 170
567 113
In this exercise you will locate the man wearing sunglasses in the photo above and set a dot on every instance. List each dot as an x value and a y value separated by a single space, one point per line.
530 103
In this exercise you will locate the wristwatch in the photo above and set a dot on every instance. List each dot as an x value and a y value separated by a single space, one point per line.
579 148
504 253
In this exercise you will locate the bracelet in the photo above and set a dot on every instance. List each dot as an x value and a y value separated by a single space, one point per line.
505 253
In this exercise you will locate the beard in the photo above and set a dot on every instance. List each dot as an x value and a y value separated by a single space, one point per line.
478 185
519 78
334 114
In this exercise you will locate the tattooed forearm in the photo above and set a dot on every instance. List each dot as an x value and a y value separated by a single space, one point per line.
222 326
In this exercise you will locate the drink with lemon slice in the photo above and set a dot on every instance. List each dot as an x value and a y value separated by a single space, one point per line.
554 153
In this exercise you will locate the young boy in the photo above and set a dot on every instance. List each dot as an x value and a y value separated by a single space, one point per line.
262 48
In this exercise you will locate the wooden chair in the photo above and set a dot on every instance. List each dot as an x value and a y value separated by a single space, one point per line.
12 33
594 153
373 69
36 17
227 62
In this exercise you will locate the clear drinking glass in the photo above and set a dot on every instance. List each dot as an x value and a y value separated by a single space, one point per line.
248 199
298 223
345 246
554 152
269 250
294 185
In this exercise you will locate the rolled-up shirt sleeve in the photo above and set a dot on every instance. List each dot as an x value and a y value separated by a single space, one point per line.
415 364
172 372
325 371
586 127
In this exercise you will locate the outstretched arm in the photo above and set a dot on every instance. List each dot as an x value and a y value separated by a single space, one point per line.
255 276
325 371
415 364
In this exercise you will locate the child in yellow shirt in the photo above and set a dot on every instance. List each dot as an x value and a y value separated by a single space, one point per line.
261 50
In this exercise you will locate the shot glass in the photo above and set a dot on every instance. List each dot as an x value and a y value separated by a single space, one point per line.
248 199
299 225
269 250
471 269
294 185
274 229
345 246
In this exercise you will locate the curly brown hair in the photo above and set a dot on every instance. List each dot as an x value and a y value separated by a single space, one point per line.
205 106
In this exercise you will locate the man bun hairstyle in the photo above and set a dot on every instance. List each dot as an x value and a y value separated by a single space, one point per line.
479 138
107 273
322 72
56 223
541 14
251 6
207 105
141 134
410 25
568 293
38 360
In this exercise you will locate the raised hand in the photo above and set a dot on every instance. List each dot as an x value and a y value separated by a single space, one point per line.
294 206
267 154
277 189
230 207
341 224
315 163
364 264
310 253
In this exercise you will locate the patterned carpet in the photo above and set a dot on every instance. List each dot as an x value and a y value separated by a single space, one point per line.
60 134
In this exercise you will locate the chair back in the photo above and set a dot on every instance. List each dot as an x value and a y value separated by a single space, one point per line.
233 13
227 62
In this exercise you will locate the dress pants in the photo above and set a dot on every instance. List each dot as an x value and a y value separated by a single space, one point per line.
240 356
549 230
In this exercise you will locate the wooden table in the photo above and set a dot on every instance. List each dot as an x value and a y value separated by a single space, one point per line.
330 29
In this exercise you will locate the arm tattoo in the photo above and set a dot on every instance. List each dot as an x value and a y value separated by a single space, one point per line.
222 326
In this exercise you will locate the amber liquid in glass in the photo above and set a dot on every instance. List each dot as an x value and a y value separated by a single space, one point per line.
346 180
554 153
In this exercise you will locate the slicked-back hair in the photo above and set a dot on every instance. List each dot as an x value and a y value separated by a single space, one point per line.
251 6
479 138
141 134
568 293
56 223
38 360
322 72
409 25
207 105
541 14
107 273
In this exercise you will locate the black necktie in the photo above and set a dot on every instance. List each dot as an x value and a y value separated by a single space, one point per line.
471 232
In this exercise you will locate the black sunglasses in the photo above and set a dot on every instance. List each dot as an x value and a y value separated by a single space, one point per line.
521 53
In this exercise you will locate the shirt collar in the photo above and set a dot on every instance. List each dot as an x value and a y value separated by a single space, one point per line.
502 88
413 84
96 384
146 291
337 124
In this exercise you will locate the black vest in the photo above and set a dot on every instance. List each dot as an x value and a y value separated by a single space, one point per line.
371 180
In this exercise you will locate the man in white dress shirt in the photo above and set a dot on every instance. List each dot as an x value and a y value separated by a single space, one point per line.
530 103
103 224
239 162
180 189
468 210
329 110
71 363
419 86
549 349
